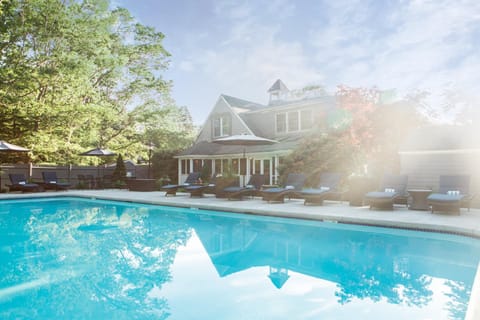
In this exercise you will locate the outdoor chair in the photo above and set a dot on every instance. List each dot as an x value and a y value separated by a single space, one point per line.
292 187
171 189
50 181
19 183
198 190
453 194
252 188
393 188
327 189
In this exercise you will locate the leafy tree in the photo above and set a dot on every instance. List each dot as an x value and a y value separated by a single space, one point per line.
77 74
363 133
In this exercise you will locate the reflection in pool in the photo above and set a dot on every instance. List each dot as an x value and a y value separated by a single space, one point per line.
84 259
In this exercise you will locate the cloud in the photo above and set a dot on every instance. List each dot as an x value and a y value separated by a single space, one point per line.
416 44
253 55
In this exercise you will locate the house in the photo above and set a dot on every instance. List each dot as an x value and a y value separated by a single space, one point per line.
431 151
285 119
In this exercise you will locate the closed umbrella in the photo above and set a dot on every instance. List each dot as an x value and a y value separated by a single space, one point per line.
8 147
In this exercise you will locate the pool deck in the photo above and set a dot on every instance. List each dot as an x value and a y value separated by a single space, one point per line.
467 223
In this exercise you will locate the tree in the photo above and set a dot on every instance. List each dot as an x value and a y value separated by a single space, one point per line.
363 137
77 74
120 172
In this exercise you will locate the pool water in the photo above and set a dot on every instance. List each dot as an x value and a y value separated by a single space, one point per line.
73 258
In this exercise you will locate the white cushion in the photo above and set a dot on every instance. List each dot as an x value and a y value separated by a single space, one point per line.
249 186
53 181
186 184
389 190
453 192
22 182
324 188
289 187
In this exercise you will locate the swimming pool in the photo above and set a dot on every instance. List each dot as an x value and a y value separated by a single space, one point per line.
74 258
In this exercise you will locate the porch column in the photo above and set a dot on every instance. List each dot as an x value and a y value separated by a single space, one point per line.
179 171
270 173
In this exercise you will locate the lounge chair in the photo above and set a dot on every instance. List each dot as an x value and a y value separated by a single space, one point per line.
292 186
50 181
326 189
453 194
393 188
253 187
199 190
171 189
19 183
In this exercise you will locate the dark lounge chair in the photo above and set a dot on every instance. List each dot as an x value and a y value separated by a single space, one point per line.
453 194
19 183
252 188
50 181
171 189
327 189
292 186
393 188
200 189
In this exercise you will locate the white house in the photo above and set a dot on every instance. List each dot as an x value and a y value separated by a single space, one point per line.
287 117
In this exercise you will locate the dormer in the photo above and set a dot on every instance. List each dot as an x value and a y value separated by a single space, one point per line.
277 91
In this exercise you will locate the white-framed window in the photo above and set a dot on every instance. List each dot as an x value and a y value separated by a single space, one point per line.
306 118
293 121
281 122
293 124
222 126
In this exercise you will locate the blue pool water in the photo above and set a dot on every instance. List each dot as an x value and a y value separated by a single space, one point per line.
70 258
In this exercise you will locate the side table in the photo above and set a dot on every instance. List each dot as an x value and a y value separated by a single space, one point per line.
419 199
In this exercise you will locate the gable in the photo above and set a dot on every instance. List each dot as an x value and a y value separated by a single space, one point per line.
222 121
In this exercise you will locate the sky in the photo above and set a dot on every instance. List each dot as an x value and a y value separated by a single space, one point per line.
240 48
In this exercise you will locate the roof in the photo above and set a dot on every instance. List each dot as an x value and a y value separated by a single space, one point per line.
278 86
240 103
441 138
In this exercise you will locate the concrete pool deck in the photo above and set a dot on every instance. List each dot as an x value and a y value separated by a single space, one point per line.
467 223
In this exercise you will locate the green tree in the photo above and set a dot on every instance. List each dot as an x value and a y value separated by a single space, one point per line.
120 172
77 74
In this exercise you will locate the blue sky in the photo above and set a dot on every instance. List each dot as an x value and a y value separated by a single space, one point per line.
240 48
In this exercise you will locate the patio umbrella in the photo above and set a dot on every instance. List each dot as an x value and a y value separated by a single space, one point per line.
8 147
98 152
244 140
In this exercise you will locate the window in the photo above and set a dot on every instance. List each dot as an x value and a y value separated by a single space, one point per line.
306 119
293 121
281 122
222 126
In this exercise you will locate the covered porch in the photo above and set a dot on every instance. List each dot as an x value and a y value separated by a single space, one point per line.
233 164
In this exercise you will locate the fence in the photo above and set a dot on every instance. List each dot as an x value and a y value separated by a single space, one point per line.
69 173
